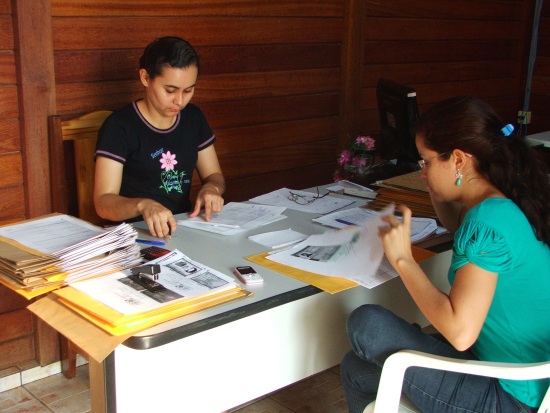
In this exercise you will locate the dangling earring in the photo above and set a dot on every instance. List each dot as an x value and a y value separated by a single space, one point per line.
458 177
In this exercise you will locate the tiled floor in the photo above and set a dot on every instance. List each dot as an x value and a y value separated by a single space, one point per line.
321 393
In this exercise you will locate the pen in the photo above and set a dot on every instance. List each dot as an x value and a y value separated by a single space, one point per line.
341 221
150 242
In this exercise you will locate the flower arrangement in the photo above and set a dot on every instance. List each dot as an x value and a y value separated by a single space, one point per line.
356 158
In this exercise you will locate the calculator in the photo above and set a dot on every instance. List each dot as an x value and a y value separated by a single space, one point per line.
151 253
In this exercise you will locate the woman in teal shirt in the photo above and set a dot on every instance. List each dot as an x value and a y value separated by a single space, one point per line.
488 187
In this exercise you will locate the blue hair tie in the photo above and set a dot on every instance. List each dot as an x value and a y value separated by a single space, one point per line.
507 130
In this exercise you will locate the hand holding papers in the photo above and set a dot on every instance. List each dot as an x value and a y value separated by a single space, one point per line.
236 217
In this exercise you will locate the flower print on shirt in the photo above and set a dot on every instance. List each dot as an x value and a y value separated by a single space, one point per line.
171 180
168 161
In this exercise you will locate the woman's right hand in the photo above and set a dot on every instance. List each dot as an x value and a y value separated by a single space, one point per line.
159 219
396 237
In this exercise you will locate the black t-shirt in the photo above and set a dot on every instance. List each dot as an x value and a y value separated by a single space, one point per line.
158 163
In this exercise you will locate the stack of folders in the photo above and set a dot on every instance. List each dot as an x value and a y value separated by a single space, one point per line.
43 254
409 189
163 289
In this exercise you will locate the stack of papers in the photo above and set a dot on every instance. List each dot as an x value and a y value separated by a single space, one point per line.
46 253
409 189
119 305
421 228
236 217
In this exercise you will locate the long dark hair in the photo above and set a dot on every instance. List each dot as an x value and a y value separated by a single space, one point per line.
507 162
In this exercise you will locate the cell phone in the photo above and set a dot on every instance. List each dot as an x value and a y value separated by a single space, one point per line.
248 275
150 253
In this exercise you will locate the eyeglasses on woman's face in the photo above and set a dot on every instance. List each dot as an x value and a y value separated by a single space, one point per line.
424 163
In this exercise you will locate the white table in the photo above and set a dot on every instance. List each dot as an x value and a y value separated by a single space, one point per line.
228 355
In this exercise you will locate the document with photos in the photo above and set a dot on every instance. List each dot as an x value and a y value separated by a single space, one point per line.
355 253
181 277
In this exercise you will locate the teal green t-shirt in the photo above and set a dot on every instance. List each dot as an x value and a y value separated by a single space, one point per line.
497 237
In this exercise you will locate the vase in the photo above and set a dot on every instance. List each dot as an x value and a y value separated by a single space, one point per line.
363 162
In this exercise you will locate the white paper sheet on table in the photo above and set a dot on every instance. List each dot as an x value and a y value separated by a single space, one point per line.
354 253
278 239
236 217
323 205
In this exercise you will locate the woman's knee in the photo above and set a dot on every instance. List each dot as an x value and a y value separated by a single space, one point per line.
365 325
367 317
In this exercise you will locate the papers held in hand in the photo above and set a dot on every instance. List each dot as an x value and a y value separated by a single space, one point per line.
421 228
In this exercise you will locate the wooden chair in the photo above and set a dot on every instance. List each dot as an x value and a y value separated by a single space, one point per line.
390 400
82 133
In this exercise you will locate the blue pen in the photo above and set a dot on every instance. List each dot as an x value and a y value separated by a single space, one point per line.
150 242
341 221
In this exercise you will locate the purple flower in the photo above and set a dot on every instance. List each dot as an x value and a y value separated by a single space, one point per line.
344 157
365 142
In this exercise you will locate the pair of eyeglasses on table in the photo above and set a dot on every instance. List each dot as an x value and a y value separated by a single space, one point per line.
305 199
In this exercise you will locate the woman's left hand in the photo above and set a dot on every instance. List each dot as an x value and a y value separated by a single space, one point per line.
396 237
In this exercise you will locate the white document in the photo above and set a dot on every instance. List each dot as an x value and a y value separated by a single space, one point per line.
51 234
420 227
303 201
236 217
354 253
278 239
181 276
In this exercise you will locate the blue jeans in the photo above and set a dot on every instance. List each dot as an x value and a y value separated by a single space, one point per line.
375 333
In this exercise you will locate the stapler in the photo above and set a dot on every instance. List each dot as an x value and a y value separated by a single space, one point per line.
146 276
150 271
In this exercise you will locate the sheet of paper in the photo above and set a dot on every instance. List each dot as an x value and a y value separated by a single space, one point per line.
354 252
420 227
236 217
303 201
51 234
278 239
181 276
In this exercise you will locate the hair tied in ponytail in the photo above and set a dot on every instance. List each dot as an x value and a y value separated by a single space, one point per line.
507 130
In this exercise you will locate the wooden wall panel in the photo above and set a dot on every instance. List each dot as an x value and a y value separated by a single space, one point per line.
445 49
122 8
271 69
12 198
16 352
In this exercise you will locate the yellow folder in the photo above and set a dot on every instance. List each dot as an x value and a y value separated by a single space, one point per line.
328 284
116 323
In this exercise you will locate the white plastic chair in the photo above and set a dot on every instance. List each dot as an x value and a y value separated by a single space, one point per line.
390 400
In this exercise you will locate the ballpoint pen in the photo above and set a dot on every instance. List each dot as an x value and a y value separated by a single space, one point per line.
150 242
341 221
